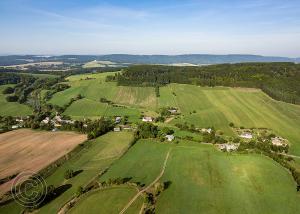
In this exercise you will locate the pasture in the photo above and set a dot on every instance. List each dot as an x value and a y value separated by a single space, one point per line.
25 149
204 180
12 108
109 201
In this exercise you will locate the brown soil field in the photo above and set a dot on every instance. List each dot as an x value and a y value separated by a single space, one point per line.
26 149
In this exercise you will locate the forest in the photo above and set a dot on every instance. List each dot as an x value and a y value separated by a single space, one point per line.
279 80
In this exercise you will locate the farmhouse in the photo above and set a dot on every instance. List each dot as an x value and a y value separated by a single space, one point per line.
117 129
147 119
170 137
46 120
277 141
246 135
228 147
206 130
118 119
173 111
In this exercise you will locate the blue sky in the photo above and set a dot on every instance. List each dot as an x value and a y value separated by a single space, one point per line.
267 27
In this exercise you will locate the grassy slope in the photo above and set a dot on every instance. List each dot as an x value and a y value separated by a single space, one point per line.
100 155
12 108
220 106
205 180
108 201
92 160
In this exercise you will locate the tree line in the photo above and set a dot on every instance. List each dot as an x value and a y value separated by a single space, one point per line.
279 80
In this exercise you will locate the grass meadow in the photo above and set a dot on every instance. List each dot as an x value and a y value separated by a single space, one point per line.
204 180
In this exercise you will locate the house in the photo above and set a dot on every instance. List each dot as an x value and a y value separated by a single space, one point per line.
15 127
117 129
57 118
147 119
277 141
46 120
170 137
118 119
173 111
126 127
206 130
246 135
229 147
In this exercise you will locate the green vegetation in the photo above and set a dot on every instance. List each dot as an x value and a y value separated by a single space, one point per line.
110 200
204 180
12 109
278 80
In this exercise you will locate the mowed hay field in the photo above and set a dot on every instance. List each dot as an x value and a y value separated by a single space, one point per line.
244 107
216 106
25 149
12 108
204 180
132 98
108 201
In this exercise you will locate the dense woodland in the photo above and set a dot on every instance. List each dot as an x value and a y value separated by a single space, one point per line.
279 80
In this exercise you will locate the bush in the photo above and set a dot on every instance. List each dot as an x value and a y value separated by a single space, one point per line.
8 90
12 98
69 174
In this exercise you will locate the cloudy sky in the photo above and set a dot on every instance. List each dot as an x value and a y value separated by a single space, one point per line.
266 27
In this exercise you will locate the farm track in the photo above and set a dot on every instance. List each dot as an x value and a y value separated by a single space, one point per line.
150 185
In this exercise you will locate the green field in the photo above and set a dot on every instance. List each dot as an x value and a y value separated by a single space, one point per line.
204 180
244 107
12 108
213 106
108 201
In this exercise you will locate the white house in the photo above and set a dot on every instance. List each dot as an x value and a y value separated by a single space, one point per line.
118 119
46 120
229 147
246 135
147 119
173 111
206 130
170 137
117 129
277 141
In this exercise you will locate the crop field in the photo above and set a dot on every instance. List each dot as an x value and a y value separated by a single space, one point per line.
110 200
204 180
92 160
12 108
33 150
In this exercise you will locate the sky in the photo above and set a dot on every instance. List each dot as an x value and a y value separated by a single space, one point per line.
264 27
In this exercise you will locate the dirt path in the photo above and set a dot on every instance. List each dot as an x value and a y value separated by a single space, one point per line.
151 184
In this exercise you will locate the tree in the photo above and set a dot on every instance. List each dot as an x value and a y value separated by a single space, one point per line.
8 90
69 174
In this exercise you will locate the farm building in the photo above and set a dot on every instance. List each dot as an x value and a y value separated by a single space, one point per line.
118 119
277 141
147 119
173 111
46 120
117 129
206 130
246 135
228 147
170 137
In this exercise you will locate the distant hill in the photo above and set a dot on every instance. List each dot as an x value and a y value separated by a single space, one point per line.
198 59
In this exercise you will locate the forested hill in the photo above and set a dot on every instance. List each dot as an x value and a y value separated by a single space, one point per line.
281 81
145 59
